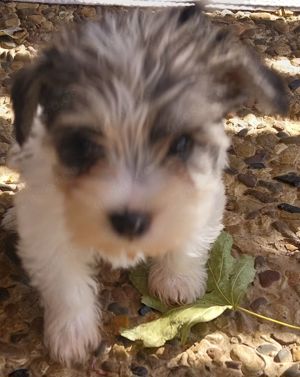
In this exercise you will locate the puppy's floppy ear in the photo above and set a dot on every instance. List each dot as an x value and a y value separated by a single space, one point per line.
25 97
239 75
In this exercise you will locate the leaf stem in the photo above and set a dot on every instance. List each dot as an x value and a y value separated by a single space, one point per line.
268 318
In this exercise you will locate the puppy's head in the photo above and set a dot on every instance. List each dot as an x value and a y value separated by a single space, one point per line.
132 111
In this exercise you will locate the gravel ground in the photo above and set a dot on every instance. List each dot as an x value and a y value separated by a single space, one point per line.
262 215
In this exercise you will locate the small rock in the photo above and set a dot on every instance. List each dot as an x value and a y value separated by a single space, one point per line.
283 356
282 49
4 294
257 303
144 310
23 372
281 26
117 309
252 120
268 277
291 179
296 353
293 371
291 140
289 208
214 353
268 349
110 366
88 12
243 132
139 371
290 247
36 18
257 158
251 362
285 338
47 26
11 23
259 261
263 197
274 187
233 364
6 187
261 125
257 165
295 84
279 126
230 171
282 134
247 179
293 278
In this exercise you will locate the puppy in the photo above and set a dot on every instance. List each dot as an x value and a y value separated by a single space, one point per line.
121 147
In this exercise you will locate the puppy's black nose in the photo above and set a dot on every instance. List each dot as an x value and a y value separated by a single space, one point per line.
130 224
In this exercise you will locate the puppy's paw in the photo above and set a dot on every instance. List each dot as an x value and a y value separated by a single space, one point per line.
177 288
70 340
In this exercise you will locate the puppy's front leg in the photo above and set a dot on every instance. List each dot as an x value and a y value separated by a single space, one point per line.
178 277
64 279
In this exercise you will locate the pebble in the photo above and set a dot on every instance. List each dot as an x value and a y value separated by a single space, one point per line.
285 338
283 356
251 362
117 309
296 353
233 364
289 208
257 303
282 134
257 165
268 349
292 140
274 187
293 371
247 179
259 261
268 277
110 366
293 85
23 372
291 179
89 12
257 158
144 310
214 353
231 171
243 132
263 197
139 371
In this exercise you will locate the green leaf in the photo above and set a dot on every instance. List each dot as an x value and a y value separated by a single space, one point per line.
174 322
228 279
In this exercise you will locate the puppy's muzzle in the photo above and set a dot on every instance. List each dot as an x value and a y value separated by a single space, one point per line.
130 224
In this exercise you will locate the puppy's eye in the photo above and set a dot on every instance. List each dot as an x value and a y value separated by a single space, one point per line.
182 147
78 152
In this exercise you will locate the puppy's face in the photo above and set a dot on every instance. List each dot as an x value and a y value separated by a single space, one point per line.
132 113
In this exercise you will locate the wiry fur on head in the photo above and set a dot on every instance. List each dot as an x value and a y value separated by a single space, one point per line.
130 120
127 87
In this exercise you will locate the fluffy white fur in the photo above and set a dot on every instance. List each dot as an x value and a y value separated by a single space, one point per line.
139 85
63 273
